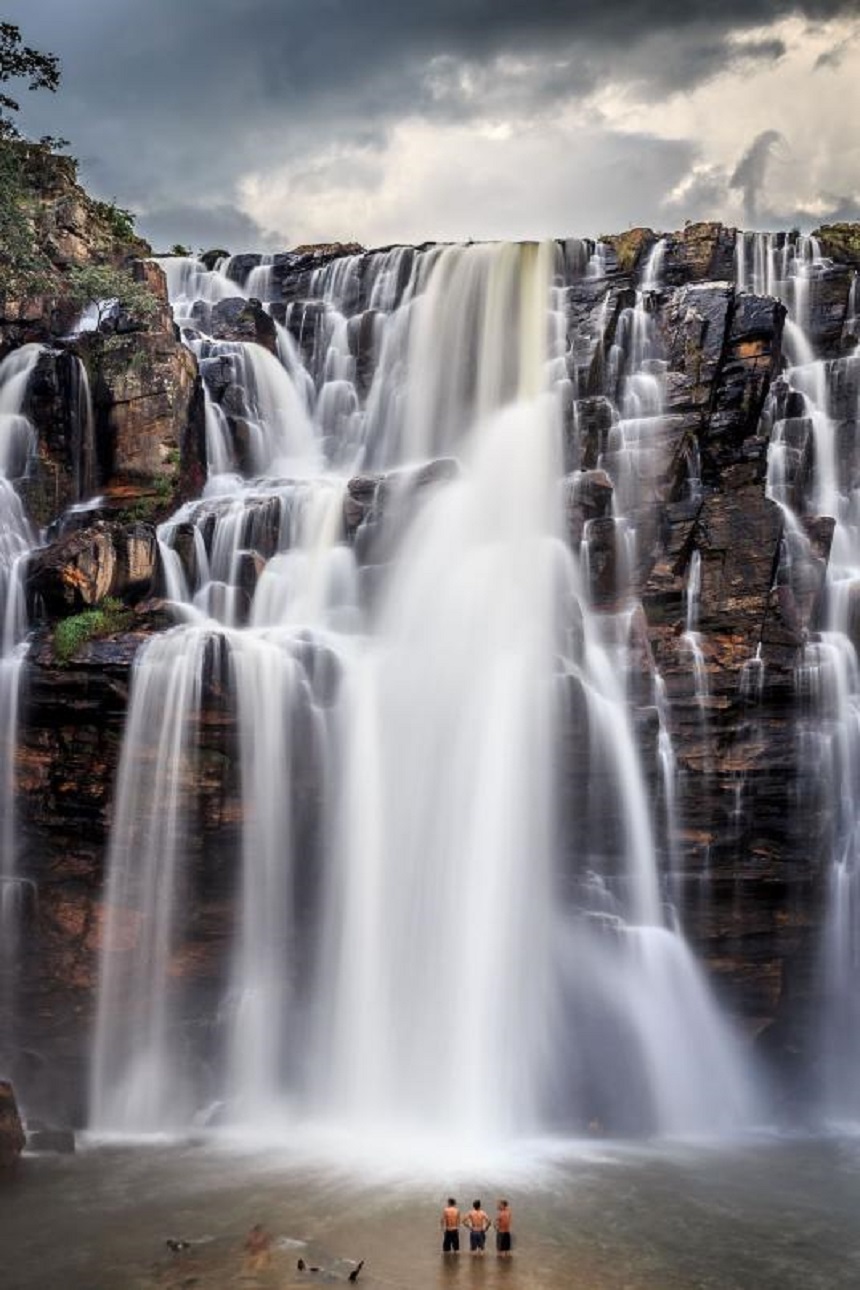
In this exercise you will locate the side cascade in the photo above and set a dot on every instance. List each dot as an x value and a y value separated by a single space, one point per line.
812 472
448 930
17 539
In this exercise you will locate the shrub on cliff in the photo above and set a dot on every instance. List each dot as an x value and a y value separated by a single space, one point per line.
24 268
21 62
71 633
112 292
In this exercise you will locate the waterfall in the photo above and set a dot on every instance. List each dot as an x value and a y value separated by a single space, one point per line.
17 538
83 445
814 419
451 932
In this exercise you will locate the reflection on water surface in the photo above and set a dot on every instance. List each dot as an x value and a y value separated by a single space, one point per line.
769 1215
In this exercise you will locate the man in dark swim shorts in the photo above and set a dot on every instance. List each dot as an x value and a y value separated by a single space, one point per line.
478 1224
504 1223
450 1224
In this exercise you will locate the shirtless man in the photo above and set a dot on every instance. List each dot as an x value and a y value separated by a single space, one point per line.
450 1224
478 1224
258 1245
504 1222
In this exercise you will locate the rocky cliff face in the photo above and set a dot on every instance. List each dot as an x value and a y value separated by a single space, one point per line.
747 854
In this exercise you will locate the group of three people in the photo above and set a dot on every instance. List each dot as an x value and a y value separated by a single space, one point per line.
478 1223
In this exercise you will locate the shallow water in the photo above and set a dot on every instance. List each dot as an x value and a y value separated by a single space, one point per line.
753 1216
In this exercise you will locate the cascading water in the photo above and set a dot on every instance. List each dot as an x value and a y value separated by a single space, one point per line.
17 538
425 679
812 471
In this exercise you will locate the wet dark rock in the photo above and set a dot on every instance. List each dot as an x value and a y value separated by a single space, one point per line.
243 320
364 346
628 252
240 266
292 271
11 1130
56 1141
588 496
250 568
602 561
703 252
587 431
81 570
748 365
211 257
220 374
829 290
358 501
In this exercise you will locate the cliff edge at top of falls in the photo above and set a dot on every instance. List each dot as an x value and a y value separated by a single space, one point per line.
735 745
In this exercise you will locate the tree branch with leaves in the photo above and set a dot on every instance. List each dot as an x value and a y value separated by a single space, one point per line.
20 62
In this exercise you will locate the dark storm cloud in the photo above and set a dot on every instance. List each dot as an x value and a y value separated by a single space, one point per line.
167 103
834 56
219 225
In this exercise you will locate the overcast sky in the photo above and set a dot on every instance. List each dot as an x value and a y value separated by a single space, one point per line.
262 124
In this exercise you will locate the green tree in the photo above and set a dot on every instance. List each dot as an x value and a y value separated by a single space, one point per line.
119 220
21 62
104 287
24 269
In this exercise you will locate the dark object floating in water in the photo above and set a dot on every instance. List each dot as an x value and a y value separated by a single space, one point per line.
353 1276
303 1267
176 1247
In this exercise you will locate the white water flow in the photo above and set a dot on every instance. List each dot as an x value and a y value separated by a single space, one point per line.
818 423
442 978
692 637
139 1079
17 538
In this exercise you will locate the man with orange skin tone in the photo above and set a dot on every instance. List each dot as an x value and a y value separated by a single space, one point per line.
504 1222
258 1244
450 1224
478 1224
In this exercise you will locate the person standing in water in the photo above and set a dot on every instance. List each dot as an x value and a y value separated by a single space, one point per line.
478 1224
503 1225
450 1224
258 1249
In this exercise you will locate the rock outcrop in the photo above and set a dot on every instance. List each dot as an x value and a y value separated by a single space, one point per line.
12 1137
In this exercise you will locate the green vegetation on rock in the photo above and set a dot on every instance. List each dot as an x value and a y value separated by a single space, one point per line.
630 247
119 220
71 633
102 285
24 268
841 242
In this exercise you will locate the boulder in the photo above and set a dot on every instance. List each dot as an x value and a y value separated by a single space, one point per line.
81 569
12 1139
243 320
702 252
